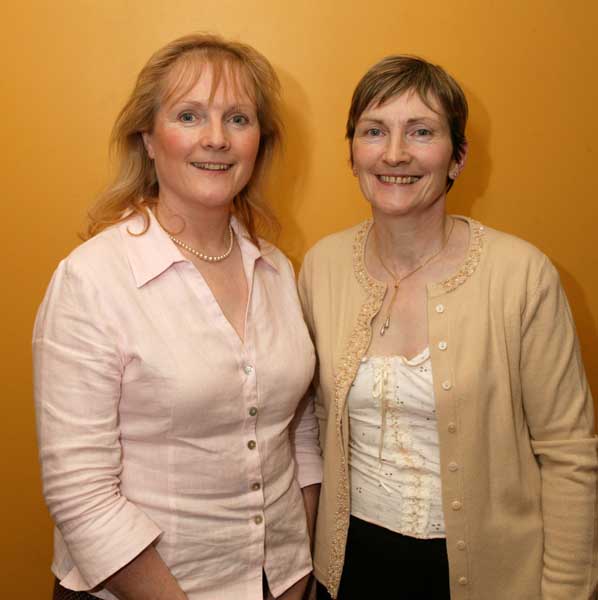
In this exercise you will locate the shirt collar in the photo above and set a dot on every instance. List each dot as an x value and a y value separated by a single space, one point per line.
153 252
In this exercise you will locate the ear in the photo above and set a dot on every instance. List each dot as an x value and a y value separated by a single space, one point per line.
147 142
458 166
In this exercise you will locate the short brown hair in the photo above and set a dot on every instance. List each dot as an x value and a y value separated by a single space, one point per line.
173 70
397 74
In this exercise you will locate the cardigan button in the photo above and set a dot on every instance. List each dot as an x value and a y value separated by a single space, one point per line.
258 520
446 385
251 444
461 545
463 581
253 411
453 466
452 428
442 345
440 308
456 505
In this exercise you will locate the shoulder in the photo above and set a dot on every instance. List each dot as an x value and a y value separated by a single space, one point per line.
99 261
337 243
514 262
277 258
106 245
507 246
336 248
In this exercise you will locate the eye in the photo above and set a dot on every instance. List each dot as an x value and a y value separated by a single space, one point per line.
239 120
422 132
187 117
374 132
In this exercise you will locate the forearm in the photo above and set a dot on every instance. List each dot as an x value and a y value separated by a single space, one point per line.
146 577
311 496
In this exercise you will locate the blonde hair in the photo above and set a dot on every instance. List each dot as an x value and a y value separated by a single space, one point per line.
135 188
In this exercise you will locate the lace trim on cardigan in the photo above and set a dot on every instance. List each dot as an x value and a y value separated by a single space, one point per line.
465 271
472 260
358 343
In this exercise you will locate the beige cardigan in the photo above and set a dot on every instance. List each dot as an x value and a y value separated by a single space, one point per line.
518 454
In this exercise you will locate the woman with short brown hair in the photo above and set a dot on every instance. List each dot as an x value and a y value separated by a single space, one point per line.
456 421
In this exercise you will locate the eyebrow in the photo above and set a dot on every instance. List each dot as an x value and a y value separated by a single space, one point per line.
203 106
409 121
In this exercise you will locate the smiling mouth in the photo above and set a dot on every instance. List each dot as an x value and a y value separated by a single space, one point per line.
402 180
209 166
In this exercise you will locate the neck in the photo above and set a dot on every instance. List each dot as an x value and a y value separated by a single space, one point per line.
203 229
404 242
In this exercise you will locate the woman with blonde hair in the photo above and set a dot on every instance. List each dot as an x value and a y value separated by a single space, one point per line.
170 355
457 423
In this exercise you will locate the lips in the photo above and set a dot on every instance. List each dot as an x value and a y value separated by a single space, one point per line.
399 179
211 166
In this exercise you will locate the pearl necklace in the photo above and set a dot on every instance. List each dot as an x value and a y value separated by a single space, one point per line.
398 280
207 257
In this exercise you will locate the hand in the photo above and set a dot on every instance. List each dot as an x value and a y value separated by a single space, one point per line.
310 592
295 592
146 577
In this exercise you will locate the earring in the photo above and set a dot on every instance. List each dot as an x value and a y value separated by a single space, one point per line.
454 173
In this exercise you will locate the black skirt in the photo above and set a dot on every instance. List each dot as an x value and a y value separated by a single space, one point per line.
378 560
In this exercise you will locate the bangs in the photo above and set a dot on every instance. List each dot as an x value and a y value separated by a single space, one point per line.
228 73
424 88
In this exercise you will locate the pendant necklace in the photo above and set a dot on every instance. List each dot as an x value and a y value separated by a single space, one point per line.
396 281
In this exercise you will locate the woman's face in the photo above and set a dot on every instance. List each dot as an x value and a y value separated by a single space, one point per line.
402 154
204 150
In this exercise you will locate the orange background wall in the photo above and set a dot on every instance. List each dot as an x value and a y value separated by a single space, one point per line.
528 68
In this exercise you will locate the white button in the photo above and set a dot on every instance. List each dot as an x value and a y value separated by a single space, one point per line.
453 466
452 428
461 545
463 581
446 385
456 505
440 308
248 369
364 359
258 520
442 345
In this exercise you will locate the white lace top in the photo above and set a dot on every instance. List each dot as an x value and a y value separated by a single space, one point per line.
394 454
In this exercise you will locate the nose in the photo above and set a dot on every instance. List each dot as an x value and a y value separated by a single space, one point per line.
214 136
397 150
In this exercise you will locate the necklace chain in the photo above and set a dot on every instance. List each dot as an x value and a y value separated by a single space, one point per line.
396 280
207 257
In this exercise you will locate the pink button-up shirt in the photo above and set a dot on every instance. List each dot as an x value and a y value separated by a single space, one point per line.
156 423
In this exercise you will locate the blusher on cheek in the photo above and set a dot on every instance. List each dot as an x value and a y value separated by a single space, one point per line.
176 141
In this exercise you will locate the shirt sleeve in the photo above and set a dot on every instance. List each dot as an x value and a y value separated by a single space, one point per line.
305 443
304 434
559 411
77 377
